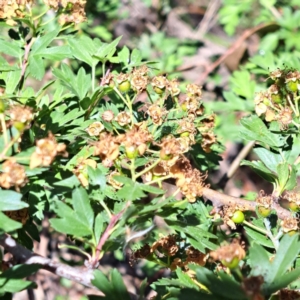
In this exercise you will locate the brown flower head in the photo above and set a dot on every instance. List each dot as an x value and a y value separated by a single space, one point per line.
107 148
285 117
137 138
286 294
18 215
289 224
170 147
264 200
229 252
73 11
292 197
13 175
20 115
144 252
81 170
138 82
208 139
159 83
95 128
190 104
46 150
252 286
10 9
185 125
156 113
194 90
166 245
142 70
123 118
189 180
173 87
195 256
107 116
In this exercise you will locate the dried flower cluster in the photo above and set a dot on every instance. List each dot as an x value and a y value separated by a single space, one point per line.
18 215
278 103
13 175
46 150
10 9
169 246
228 253
73 10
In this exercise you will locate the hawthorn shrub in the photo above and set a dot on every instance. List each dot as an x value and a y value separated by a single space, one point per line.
102 154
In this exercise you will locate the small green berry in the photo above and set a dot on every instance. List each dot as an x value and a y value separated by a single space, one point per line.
158 90
238 217
264 212
124 86
232 264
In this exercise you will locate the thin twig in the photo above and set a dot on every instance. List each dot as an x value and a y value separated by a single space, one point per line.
219 199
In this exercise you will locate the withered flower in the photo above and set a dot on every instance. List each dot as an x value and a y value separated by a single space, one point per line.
107 116
123 118
156 113
138 82
285 117
208 139
194 90
264 200
107 148
173 87
289 224
166 245
46 150
95 128
252 287
13 175
229 253
195 256
20 215
81 170
159 84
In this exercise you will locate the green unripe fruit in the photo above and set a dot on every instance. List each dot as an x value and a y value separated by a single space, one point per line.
165 156
292 232
293 206
238 217
184 107
158 90
185 134
264 212
276 98
124 86
19 126
292 86
131 152
232 264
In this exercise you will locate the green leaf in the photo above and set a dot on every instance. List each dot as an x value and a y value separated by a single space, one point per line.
36 67
270 159
114 289
282 262
43 41
11 79
106 51
136 57
259 237
124 55
185 279
20 271
11 48
131 192
261 170
83 48
151 189
82 206
281 282
15 285
217 284
10 200
259 259
83 83
7 224
99 222
55 53
254 129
